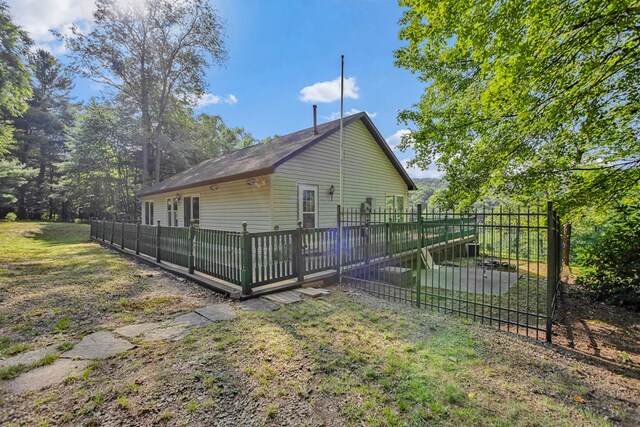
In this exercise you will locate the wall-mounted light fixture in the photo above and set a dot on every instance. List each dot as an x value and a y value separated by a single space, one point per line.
178 197
257 182
213 187
332 190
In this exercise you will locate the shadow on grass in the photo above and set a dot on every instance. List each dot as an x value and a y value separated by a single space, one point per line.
601 334
60 233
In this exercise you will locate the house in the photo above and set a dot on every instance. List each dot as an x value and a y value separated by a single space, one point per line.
272 185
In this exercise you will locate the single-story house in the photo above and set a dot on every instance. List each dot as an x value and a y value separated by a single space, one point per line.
273 185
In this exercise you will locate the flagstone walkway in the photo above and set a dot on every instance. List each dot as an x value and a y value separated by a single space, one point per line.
105 344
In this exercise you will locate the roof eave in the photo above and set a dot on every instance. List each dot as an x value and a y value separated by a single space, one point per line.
249 174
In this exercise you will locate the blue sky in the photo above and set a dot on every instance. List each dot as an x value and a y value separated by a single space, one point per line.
283 56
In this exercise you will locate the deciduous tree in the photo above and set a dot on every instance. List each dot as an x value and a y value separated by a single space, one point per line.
153 53
536 100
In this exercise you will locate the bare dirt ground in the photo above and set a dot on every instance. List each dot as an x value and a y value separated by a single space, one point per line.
606 339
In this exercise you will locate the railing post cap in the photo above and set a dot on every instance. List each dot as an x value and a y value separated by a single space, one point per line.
244 226
299 223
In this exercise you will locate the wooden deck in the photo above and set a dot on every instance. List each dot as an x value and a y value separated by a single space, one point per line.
317 278
227 288
401 256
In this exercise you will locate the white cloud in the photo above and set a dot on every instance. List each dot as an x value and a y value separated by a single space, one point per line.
38 17
395 139
211 99
329 91
336 115
415 172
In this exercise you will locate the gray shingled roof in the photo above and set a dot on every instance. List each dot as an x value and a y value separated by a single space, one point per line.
262 159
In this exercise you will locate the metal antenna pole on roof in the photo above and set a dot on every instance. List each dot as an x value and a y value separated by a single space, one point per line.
341 130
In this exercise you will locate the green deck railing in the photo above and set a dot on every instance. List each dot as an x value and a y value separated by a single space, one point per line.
250 260
244 259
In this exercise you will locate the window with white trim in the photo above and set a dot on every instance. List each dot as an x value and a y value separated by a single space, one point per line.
308 205
148 213
172 212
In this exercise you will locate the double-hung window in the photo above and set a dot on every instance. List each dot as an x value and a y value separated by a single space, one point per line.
148 213
172 212
191 206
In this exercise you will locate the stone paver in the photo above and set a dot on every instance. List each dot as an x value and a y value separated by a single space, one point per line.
286 297
190 320
29 357
258 304
104 344
313 292
171 333
46 375
217 312
99 345
131 331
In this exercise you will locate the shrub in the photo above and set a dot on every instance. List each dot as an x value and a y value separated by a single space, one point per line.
612 264
11 216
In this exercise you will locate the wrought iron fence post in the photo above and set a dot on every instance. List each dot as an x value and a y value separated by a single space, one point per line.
551 263
158 230
387 238
113 227
367 241
339 243
137 237
297 253
192 235
122 236
246 260
419 257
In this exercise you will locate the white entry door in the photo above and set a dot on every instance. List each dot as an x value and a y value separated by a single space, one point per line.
308 205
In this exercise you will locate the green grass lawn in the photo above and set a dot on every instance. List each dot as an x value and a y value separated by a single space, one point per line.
346 359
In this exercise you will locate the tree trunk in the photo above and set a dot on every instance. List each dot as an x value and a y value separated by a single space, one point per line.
158 159
146 123
566 243
40 180
51 204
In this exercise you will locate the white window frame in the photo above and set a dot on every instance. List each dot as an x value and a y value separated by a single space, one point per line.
172 214
301 189
146 214
191 196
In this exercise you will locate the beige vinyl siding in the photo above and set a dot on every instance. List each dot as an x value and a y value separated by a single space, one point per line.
225 208
367 173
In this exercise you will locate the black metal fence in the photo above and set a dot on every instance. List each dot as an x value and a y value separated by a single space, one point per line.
498 266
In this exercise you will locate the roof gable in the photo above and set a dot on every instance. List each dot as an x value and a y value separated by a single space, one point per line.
262 159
